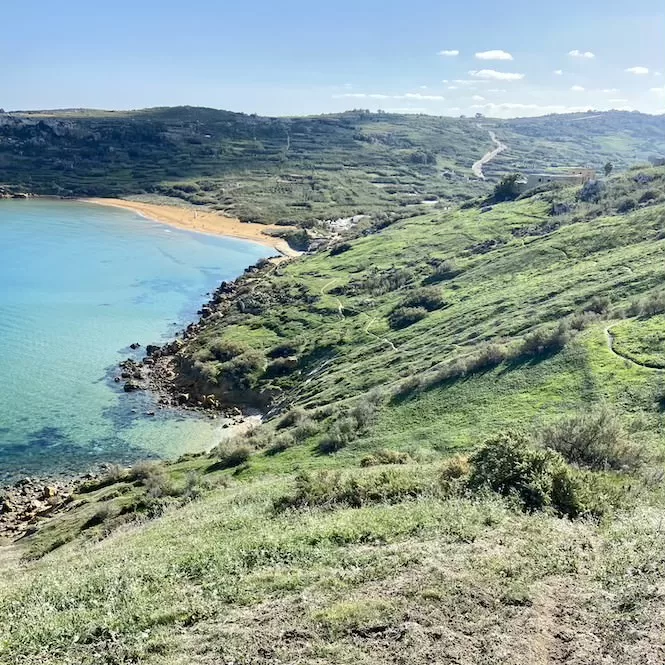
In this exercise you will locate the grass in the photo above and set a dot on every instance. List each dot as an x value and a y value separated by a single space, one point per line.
369 520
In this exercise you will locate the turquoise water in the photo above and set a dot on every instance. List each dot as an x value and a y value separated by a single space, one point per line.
78 284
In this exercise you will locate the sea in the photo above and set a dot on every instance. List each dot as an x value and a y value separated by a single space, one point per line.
79 283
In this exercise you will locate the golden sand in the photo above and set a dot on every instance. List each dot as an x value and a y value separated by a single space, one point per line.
203 221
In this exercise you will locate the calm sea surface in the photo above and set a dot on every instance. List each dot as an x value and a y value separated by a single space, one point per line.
78 284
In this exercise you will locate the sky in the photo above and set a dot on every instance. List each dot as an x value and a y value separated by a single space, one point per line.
295 57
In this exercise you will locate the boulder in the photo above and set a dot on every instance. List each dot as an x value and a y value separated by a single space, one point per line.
49 492
131 386
150 349
134 345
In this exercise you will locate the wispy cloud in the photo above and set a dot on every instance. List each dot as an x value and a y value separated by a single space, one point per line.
577 88
478 98
658 91
617 101
610 91
498 90
373 95
493 75
494 55
509 109
558 72
638 71
576 53
448 53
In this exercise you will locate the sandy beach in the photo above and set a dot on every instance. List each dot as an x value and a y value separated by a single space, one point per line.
203 221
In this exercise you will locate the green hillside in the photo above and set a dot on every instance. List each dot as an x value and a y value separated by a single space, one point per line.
300 169
462 462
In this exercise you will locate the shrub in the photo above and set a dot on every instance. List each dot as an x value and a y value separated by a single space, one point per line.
626 205
653 304
402 317
594 439
427 297
489 355
509 465
342 432
230 454
385 457
592 191
599 305
443 271
455 468
142 470
330 488
545 340
340 248
305 429
292 417
506 189
282 443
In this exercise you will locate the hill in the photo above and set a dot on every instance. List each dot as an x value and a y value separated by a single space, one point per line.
462 461
285 170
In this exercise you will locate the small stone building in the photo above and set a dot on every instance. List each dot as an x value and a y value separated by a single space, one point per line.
576 177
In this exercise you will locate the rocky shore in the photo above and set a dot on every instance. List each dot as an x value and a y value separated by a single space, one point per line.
157 371
28 502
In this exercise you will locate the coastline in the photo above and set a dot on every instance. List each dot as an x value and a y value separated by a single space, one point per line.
203 221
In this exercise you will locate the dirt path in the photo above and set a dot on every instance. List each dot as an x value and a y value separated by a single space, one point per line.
324 289
477 168
610 345
385 340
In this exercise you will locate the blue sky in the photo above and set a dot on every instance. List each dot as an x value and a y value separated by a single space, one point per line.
298 57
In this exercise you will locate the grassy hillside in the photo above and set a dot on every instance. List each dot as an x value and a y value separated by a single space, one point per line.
300 169
464 461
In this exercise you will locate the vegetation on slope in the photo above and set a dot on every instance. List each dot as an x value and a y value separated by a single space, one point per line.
300 169
479 482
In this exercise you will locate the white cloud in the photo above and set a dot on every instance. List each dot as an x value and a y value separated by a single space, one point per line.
407 109
408 95
499 90
453 87
512 109
558 72
610 91
577 88
658 91
638 71
492 75
576 53
657 74
478 98
617 101
448 53
494 55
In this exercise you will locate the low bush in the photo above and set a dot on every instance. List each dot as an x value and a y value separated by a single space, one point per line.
385 457
594 439
429 298
626 205
545 340
340 248
402 317
341 433
538 479
230 454
443 271
328 489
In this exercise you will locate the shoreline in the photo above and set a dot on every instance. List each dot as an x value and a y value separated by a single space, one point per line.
204 221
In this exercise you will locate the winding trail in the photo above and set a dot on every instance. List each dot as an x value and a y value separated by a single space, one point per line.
610 345
340 307
477 167
385 340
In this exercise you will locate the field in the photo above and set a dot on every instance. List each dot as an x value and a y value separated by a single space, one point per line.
301 170
463 460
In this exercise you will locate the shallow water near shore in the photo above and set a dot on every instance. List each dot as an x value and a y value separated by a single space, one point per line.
78 284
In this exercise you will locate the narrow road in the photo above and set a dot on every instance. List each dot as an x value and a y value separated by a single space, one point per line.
477 168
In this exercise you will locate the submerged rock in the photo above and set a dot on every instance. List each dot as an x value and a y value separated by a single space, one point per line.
132 386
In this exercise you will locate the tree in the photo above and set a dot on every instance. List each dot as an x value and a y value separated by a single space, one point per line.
507 188
608 168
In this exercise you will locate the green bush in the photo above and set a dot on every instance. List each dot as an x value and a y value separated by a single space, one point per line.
402 317
385 456
341 433
332 488
538 478
427 297
230 454
594 439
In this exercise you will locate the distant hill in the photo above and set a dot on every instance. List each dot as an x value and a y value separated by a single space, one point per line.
300 169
